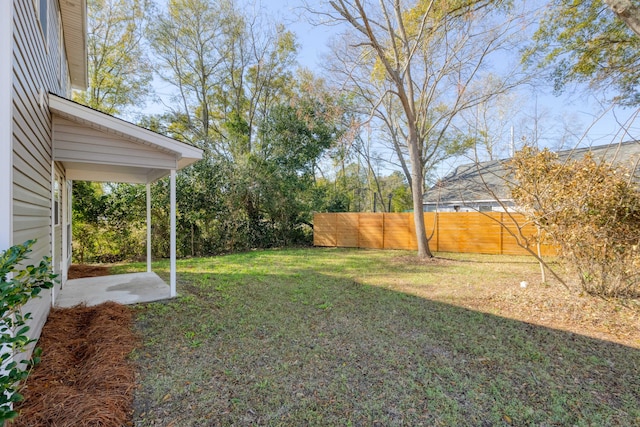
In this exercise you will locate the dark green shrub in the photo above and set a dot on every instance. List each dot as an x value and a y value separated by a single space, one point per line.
18 284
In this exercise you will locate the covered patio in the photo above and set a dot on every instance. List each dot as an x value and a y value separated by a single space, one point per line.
94 146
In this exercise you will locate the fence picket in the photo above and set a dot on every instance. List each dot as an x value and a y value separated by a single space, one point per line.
475 232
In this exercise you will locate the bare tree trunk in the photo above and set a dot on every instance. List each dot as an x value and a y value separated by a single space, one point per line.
418 217
417 191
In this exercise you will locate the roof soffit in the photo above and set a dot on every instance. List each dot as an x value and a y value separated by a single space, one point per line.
74 26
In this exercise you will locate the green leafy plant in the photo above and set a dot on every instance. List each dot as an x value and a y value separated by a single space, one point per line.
18 284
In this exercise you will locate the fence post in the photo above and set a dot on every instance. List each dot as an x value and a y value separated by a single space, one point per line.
383 231
436 228
501 233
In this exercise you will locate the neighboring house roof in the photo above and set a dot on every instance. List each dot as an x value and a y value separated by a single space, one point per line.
470 182
486 181
74 22
94 146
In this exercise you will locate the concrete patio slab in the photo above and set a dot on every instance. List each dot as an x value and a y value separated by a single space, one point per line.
130 288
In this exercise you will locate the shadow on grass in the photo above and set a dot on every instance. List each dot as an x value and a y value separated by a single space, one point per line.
294 346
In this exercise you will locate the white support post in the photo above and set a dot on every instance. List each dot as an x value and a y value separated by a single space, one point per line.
52 200
148 228
63 223
173 233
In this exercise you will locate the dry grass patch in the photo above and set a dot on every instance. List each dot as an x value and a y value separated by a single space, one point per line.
492 284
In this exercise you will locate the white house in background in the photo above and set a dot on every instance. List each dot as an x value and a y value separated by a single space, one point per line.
47 141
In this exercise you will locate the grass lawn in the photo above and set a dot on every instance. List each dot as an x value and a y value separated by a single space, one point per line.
354 337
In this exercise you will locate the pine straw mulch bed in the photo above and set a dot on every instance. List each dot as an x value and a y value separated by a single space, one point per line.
85 377
77 271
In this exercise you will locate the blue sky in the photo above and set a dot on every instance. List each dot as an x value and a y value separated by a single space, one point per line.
580 111
312 39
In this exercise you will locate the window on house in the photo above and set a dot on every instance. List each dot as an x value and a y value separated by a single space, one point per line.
42 10
485 208
56 202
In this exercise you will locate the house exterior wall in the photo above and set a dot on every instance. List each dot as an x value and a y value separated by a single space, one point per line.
6 158
38 67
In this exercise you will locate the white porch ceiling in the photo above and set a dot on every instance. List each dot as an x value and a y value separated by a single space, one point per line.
94 146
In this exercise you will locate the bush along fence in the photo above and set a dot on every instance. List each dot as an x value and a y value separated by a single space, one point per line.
472 232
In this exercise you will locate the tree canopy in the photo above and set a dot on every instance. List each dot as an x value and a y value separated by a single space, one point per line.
587 42
120 73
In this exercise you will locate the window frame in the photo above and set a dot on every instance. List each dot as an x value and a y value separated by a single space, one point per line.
42 15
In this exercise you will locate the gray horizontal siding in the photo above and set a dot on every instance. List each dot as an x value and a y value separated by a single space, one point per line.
36 68
75 143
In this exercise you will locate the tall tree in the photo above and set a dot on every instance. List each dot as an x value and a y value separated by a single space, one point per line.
292 138
227 68
262 127
417 68
119 70
186 42
594 42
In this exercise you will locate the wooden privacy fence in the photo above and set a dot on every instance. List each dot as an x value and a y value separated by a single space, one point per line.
448 231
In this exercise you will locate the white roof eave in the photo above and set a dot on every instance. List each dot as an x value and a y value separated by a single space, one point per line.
184 154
